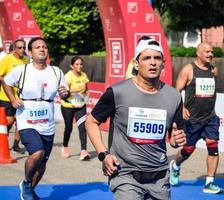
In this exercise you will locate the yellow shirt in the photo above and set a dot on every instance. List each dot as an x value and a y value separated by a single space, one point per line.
78 83
6 65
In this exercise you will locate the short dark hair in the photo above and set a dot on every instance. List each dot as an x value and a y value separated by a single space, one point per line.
34 39
16 41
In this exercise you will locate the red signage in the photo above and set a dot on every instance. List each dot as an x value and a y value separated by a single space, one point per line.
124 22
95 91
16 22
116 57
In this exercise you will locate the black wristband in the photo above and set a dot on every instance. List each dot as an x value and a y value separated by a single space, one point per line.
102 155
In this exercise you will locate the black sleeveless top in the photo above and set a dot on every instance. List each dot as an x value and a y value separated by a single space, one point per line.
201 101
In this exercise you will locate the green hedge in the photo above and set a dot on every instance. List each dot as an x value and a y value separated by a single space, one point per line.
179 52
191 52
99 53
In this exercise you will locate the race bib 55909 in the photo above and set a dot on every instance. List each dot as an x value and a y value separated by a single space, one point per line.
146 125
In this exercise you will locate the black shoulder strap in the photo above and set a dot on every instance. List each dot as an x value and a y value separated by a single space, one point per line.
211 67
59 78
21 80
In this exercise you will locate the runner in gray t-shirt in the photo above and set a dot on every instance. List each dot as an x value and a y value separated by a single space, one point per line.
141 109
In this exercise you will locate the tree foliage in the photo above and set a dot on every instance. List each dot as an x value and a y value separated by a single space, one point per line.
191 14
70 27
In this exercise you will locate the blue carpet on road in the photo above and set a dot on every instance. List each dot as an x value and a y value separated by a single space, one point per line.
190 190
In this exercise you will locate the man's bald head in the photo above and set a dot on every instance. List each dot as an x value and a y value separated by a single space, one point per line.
205 53
203 46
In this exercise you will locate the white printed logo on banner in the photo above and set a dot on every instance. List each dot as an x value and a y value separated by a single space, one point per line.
133 24
117 58
111 10
108 25
27 38
132 7
17 16
7 44
120 21
149 18
30 24
116 52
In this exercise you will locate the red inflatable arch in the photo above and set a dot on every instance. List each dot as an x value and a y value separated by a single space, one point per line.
124 22
16 21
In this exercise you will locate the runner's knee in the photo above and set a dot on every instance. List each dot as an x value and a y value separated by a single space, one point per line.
212 147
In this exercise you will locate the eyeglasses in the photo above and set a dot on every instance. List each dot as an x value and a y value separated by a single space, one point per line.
21 48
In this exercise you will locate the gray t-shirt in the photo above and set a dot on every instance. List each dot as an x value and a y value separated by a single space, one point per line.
116 103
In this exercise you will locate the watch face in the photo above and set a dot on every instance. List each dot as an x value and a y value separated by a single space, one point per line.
101 156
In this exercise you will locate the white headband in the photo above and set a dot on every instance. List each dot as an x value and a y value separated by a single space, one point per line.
146 44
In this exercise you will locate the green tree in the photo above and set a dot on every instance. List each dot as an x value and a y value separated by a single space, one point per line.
191 14
69 26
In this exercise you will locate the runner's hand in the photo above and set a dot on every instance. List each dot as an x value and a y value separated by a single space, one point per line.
186 113
110 165
178 137
17 103
63 92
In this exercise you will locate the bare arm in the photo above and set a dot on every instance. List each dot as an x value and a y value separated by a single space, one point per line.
216 71
94 133
184 77
9 92
1 80
110 163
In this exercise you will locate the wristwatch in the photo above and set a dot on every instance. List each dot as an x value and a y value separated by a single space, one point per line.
102 155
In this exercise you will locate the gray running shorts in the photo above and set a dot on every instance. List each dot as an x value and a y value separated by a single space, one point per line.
126 187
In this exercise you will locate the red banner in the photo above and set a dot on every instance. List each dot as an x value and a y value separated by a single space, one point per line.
95 91
124 22
16 21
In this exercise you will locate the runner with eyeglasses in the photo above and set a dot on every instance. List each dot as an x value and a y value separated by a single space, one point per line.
16 57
